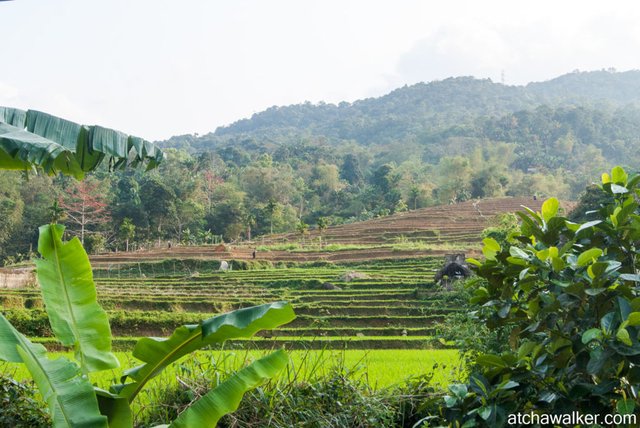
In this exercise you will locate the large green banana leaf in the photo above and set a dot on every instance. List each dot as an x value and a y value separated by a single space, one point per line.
68 394
10 339
35 139
115 408
159 353
225 398
69 294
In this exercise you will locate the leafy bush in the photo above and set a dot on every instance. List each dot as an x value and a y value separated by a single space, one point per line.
34 323
95 243
18 408
463 330
569 296
251 264
502 227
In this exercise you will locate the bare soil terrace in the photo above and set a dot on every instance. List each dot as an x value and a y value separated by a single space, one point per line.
440 230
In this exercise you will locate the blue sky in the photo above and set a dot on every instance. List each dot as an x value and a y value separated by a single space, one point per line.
159 68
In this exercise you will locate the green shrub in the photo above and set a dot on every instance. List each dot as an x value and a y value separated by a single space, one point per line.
18 408
251 264
568 296
502 227
95 243
33 323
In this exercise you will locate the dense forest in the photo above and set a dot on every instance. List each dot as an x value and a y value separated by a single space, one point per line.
421 145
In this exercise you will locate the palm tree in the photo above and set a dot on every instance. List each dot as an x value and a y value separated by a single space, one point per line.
249 222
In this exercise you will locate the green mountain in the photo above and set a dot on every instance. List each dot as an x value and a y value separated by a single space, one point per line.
425 112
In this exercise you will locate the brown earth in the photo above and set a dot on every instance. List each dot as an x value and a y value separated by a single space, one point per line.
17 277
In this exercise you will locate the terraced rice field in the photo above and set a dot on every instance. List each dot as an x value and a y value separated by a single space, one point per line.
439 229
394 306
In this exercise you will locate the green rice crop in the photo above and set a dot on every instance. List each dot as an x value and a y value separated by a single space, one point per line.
383 368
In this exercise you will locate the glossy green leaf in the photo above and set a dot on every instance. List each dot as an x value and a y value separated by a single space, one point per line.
557 263
588 225
606 178
225 398
543 254
485 412
619 176
459 390
633 319
156 354
490 360
606 322
625 407
517 261
591 335
550 209
519 253
630 277
69 294
490 248
588 256
474 262
623 336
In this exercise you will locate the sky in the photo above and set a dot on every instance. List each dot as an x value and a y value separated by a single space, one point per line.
157 68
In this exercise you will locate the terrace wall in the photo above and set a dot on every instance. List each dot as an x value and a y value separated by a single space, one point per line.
17 278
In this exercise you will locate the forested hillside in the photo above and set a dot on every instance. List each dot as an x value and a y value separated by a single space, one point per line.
417 112
289 167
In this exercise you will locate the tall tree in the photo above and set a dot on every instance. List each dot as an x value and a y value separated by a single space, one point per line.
271 208
85 206
158 200
127 231
11 206
351 171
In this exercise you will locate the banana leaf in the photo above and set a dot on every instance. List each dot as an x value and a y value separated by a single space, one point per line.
13 116
68 394
115 408
159 353
36 139
225 398
69 294
23 150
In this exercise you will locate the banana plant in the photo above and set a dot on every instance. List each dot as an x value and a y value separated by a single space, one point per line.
34 140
